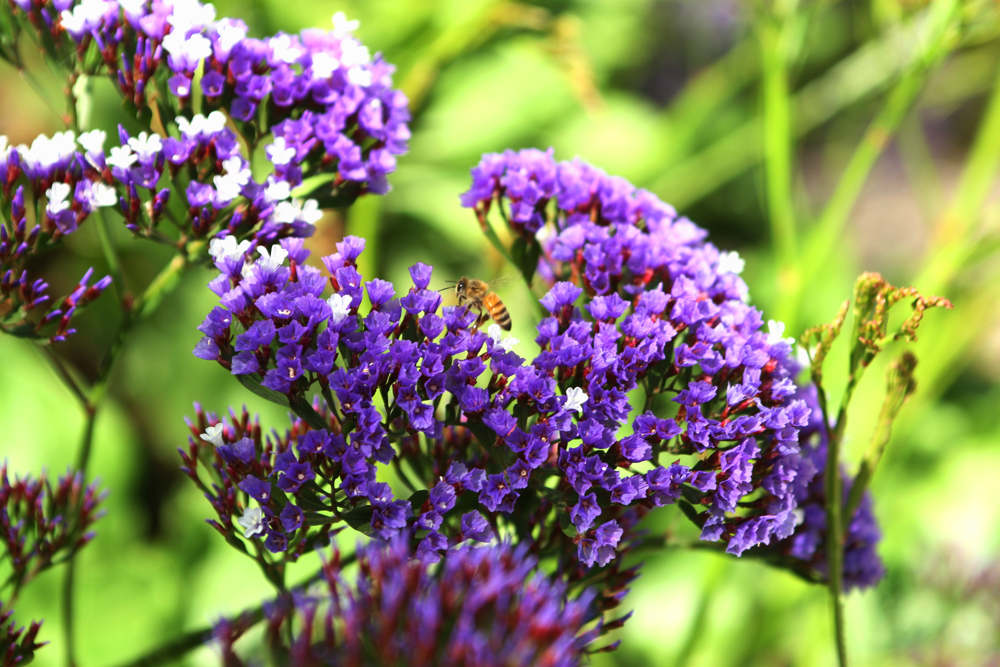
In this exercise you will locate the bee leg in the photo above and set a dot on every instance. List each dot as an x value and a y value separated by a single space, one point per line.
481 320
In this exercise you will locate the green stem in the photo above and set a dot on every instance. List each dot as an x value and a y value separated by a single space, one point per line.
363 220
834 516
449 44
191 640
699 626
111 255
69 582
65 375
778 158
143 306
900 387
829 228
955 233
858 76
36 85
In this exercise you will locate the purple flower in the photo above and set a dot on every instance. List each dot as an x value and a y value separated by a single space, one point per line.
805 538
487 604
257 489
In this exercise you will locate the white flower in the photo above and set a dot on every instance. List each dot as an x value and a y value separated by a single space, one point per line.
355 57
227 188
45 152
295 210
4 148
57 195
86 16
269 261
213 434
228 248
276 191
507 344
284 213
279 153
286 48
353 52
93 141
359 76
189 128
133 7
229 34
146 146
122 156
99 195
575 398
730 262
246 273
191 49
342 27
236 168
340 307
215 122
775 331
189 14
324 65
309 211
252 522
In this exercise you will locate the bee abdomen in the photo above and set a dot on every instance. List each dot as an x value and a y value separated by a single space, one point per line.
498 311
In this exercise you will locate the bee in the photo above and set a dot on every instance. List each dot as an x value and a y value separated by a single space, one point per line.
477 294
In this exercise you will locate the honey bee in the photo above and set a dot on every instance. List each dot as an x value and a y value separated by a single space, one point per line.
477 294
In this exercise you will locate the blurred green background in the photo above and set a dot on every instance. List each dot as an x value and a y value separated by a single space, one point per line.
819 139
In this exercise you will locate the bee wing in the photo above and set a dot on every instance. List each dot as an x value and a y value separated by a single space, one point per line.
505 279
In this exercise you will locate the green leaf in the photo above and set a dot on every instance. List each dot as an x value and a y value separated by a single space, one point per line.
525 255
498 452
819 340
691 513
305 411
308 499
250 382
418 499
316 519
340 196
566 525
900 386
237 543
360 519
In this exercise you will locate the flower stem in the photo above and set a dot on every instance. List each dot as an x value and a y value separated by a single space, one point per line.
164 282
189 641
777 138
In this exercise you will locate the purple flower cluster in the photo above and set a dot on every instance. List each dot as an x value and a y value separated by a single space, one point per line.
862 565
40 522
53 169
429 373
17 647
329 103
667 313
480 606
291 341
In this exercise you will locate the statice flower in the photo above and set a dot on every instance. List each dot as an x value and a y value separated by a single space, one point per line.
639 299
806 547
479 606
329 103
17 647
41 525
408 377
41 522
